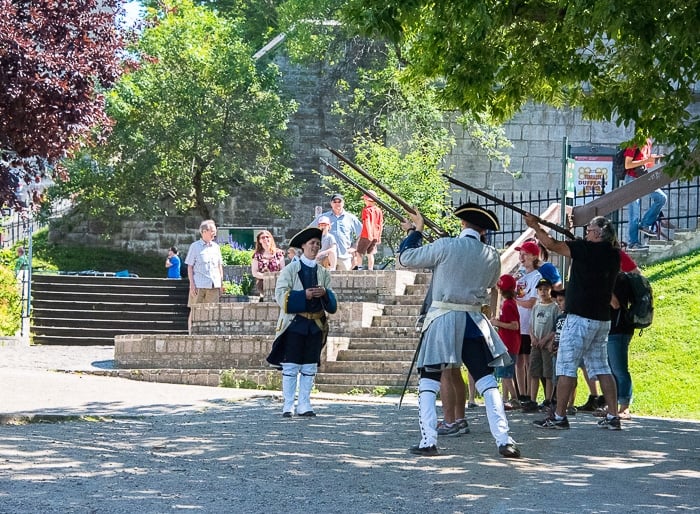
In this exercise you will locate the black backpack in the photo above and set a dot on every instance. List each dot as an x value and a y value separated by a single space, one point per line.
640 312
618 165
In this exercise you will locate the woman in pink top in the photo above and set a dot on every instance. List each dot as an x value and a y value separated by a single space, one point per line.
266 259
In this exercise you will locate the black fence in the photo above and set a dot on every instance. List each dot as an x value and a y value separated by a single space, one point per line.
680 212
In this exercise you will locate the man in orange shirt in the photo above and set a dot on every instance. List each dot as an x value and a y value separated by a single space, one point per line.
371 234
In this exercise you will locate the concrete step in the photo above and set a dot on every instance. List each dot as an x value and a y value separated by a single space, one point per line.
126 325
380 332
384 344
415 300
417 290
401 310
350 380
365 367
394 321
353 354
108 315
367 388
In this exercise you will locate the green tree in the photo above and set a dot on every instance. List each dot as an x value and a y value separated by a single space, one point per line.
55 60
195 120
631 63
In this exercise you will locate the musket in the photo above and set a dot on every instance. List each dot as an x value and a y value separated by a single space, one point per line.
423 311
388 208
430 224
510 206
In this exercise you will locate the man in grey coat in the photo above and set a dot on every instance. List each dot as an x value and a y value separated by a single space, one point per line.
455 330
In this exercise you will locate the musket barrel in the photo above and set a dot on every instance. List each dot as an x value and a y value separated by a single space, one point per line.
398 215
429 223
512 207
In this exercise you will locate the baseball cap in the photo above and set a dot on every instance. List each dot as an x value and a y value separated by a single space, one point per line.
372 192
324 220
529 247
337 196
543 282
506 283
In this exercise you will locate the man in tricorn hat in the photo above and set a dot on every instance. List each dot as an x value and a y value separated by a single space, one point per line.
455 330
304 295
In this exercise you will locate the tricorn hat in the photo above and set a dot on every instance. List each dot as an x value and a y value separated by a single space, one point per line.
306 234
476 215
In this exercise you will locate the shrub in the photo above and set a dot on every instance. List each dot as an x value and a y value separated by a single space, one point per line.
236 256
10 303
244 286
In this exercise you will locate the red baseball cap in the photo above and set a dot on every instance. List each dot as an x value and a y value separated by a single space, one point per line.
529 247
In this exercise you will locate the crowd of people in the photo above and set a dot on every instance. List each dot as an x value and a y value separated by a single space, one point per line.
538 334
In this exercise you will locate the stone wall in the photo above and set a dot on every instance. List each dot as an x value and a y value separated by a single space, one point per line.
240 335
536 132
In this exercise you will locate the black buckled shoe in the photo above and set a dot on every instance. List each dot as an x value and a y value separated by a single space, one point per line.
509 451
307 414
286 414
428 451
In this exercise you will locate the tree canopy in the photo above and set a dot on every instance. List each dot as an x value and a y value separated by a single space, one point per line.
192 122
55 59
630 63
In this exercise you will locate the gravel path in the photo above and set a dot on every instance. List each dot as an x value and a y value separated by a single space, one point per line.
110 445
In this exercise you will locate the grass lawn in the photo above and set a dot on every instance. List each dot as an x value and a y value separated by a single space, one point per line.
664 359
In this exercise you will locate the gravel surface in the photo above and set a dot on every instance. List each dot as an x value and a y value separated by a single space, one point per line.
110 445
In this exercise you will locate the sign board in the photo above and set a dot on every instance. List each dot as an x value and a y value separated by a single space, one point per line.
238 236
592 174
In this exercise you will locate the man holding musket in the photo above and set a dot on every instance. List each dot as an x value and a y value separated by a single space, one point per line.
455 330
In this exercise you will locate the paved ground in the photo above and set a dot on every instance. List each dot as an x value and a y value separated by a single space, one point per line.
110 445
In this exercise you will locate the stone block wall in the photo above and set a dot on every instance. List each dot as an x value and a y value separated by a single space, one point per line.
240 335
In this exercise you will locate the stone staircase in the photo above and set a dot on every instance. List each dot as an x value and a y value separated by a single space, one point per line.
89 310
378 356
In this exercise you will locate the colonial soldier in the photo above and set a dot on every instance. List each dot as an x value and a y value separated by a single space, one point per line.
304 295
455 330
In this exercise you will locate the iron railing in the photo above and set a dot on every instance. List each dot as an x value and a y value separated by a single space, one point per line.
680 212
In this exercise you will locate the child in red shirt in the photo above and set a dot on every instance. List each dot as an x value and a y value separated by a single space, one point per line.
508 325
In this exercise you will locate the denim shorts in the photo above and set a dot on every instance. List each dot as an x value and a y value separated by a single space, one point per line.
583 339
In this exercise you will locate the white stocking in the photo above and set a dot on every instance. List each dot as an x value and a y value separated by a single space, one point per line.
496 414
427 395
306 384
289 385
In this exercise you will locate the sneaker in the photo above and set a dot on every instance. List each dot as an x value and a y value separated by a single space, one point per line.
472 405
648 231
571 410
546 407
509 451
600 412
666 223
551 422
590 405
463 426
428 451
601 401
449 430
530 406
610 423
511 405
307 414
287 414
637 246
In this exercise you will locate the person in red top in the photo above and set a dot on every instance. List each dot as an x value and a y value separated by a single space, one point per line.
371 234
637 162
508 325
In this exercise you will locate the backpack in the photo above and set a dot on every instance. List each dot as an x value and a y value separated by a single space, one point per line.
618 166
641 308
